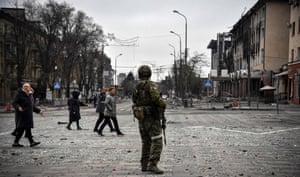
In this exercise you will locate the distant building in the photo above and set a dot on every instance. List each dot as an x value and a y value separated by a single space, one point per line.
220 64
259 47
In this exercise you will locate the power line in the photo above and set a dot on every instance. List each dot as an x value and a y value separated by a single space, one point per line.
156 36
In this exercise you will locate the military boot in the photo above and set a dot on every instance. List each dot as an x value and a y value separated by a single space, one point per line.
154 169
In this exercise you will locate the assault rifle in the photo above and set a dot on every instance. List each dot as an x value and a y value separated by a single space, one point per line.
164 122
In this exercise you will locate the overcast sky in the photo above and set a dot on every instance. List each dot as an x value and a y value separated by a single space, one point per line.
152 20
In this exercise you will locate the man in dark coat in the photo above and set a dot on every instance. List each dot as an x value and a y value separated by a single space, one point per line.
100 109
74 110
25 107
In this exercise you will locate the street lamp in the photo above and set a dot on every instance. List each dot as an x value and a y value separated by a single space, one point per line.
102 66
175 69
116 69
179 43
185 51
180 66
173 49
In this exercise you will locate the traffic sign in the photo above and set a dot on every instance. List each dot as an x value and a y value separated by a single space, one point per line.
56 85
208 83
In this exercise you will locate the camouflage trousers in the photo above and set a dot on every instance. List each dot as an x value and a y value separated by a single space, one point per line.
152 144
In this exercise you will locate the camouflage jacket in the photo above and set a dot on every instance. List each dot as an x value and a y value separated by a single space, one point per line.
146 94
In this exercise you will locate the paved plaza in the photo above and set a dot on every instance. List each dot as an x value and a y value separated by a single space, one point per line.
200 143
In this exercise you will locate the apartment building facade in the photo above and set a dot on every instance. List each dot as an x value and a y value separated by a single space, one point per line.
16 53
294 53
269 45
220 66
259 49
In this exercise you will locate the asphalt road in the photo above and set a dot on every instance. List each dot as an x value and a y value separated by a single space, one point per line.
199 143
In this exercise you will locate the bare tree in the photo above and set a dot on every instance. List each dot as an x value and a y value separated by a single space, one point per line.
194 68
69 41
78 32
49 17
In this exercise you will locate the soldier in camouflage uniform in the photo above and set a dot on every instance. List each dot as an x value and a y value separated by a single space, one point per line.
146 96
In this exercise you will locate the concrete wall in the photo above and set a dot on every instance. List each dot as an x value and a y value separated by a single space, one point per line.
277 35
294 42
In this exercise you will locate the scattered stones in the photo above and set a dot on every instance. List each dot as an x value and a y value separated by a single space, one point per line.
14 154
273 173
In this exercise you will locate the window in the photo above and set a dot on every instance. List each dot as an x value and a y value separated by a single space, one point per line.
292 55
262 33
298 54
2 28
293 29
299 25
262 57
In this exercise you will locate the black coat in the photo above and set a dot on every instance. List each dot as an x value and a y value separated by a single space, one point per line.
101 106
74 108
24 119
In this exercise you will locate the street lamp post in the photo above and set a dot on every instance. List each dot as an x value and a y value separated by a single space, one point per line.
180 66
175 70
179 43
185 54
102 67
185 50
116 69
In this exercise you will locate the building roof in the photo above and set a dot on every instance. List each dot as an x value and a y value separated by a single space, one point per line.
212 44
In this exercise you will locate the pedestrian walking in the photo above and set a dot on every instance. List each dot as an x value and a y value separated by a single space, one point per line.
100 109
24 106
74 110
147 108
110 112
14 133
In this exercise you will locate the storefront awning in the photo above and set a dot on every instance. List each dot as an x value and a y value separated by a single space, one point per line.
267 88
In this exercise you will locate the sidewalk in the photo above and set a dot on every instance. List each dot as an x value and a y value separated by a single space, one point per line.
242 105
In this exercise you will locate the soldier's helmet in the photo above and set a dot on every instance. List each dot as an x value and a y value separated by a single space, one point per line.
144 72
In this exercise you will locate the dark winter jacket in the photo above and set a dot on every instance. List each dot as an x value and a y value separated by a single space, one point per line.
74 108
24 119
100 105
